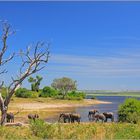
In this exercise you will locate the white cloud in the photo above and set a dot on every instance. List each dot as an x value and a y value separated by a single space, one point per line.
95 66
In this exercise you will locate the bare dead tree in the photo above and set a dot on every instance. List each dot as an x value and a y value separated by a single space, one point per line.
32 62
6 32
34 59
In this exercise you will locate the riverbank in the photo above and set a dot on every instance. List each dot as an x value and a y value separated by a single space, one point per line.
126 94
51 103
47 108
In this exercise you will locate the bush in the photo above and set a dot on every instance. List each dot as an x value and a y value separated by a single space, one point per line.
4 92
129 111
93 97
24 93
75 95
48 92
42 129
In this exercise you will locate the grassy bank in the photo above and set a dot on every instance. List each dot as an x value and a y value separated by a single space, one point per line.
127 94
81 131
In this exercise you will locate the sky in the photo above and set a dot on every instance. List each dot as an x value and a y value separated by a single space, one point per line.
95 43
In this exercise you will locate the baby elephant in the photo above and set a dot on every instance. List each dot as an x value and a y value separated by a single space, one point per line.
109 115
75 117
33 116
10 117
98 117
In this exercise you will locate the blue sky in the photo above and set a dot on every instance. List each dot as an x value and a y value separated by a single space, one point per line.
95 43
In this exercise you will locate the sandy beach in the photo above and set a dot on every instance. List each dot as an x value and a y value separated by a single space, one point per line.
39 105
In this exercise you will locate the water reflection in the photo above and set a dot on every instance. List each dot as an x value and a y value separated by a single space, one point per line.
83 111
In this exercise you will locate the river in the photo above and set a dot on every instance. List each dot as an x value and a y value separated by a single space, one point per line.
83 111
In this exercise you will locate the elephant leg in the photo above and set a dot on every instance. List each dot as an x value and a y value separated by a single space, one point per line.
96 119
68 120
72 120
89 117
93 117
112 118
78 120
64 120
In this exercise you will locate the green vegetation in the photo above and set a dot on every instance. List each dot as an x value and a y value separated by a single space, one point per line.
40 130
85 130
129 94
35 83
24 93
4 92
75 95
129 111
64 85
48 92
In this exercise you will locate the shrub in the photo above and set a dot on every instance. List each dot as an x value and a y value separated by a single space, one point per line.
20 92
4 92
37 127
129 111
93 97
48 92
42 129
24 93
75 95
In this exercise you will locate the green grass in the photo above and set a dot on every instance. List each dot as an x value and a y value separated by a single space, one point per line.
40 130
131 94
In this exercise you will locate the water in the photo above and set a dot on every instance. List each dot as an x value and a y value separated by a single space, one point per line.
116 101
83 111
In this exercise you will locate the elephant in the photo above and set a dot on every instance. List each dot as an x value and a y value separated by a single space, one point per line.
33 116
109 115
92 113
65 117
10 117
75 117
98 117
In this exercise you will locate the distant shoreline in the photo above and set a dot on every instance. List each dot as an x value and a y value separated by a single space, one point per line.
114 94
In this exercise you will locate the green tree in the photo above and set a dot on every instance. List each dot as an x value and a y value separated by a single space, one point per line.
129 111
64 85
35 82
48 92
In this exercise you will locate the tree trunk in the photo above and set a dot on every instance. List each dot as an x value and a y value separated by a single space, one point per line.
3 117
3 110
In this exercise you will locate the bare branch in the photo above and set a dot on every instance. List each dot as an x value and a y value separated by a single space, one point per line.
3 71
7 30
8 59
32 62
1 84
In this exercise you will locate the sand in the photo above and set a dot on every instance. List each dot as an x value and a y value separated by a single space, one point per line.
35 106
